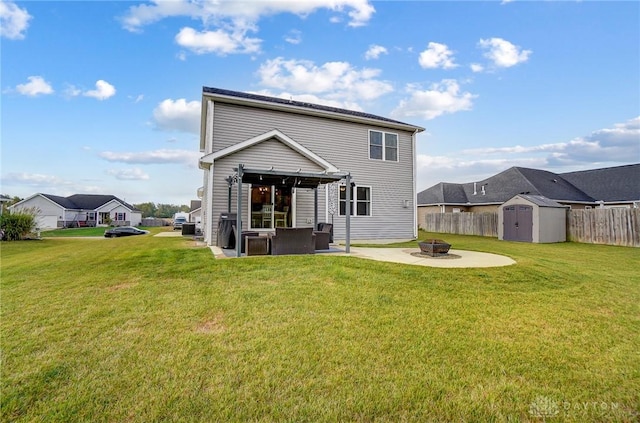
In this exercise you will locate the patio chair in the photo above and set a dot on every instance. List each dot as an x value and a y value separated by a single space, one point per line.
323 236
243 235
266 215
326 227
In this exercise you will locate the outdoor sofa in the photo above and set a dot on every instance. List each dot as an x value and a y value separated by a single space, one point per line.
292 241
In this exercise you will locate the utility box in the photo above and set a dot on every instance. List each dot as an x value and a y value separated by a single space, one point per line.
188 229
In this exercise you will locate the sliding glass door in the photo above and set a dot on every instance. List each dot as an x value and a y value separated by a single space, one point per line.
271 207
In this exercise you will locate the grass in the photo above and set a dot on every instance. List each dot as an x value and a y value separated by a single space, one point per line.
82 232
156 329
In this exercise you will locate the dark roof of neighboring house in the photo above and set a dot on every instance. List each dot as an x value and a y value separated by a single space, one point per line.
85 201
195 204
621 183
614 184
443 192
303 105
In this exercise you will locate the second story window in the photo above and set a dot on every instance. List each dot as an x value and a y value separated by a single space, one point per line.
383 146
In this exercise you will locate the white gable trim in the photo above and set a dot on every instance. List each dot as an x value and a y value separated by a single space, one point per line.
210 158
20 203
111 205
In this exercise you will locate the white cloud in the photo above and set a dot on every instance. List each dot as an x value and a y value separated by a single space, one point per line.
72 91
136 99
502 53
618 144
476 67
50 184
375 51
613 146
162 156
33 179
218 41
443 97
178 115
437 56
337 81
14 21
293 37
239 13
134 174
36 86
103 90
226 23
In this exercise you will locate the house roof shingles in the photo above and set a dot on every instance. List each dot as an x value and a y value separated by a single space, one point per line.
86 201
614 184
621 183
299 104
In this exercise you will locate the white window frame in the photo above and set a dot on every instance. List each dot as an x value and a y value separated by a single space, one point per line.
384 145
354 201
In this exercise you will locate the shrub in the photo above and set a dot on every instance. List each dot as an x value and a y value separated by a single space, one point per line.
18 224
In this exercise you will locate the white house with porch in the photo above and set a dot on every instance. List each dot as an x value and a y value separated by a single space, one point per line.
79 210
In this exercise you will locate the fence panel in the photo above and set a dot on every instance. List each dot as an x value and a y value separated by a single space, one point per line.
616 226
483 224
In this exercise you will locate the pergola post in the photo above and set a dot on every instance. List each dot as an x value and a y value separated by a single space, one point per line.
239 215
347 223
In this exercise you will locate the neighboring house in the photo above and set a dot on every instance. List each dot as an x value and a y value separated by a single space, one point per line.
3 199
607 187
295 158
79 210
195 215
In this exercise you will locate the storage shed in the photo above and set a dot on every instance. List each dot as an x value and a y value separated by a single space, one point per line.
532 218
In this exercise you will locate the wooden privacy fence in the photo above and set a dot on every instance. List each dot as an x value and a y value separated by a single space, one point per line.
616 226
483 224
605 226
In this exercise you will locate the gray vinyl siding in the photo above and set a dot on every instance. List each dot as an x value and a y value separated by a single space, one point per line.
344 144
304 208
261 156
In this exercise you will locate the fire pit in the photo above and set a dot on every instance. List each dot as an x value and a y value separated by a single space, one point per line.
434 247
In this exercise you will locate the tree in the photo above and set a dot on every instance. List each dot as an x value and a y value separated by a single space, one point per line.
10 202
17 225
148 209
160 210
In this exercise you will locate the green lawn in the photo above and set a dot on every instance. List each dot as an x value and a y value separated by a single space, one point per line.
80 232
156 329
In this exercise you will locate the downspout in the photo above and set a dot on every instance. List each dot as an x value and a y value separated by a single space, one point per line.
414 189
347 246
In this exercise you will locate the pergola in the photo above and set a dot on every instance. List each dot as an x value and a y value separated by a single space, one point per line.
297 179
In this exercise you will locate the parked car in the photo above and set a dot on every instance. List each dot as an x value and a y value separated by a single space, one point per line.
178 221
124 231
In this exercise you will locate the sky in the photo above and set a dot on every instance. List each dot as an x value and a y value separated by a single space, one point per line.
104 97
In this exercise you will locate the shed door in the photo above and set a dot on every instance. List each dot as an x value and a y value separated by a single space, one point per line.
518 223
